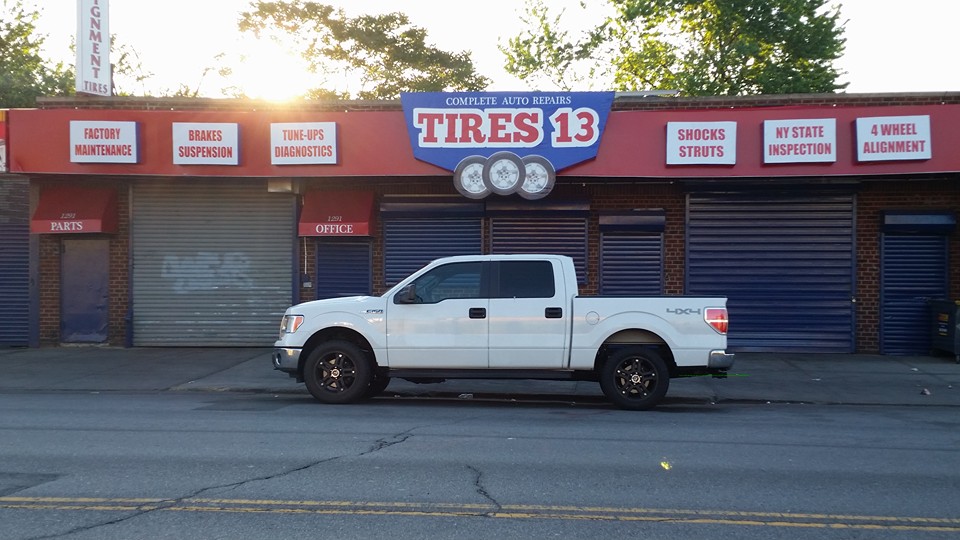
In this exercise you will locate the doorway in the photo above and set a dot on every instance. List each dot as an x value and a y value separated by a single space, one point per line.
84 290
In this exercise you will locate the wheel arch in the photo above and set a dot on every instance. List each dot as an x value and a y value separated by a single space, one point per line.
335 333
635 337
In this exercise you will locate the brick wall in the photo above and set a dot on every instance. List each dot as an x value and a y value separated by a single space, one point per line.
50 247
49 279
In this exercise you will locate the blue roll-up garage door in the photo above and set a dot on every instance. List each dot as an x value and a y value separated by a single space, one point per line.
631 253
914 268
560 236
417 232
785 261
631 264
343 267
14 261
555 227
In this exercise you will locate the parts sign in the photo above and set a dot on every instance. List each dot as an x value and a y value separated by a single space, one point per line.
564 127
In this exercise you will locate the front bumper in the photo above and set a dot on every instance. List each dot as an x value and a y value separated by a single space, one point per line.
287 359
720 360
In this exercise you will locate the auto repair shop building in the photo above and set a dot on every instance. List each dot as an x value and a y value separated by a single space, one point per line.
827 220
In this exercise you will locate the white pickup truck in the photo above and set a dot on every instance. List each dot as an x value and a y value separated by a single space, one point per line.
501 317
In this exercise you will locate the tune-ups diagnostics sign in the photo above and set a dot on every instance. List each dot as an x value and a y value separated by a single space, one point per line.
505 142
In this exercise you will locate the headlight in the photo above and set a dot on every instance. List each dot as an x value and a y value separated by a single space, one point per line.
290 323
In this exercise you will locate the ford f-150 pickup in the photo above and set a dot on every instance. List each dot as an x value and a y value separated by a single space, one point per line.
498 317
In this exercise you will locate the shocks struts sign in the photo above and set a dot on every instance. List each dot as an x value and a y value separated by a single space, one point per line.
506 142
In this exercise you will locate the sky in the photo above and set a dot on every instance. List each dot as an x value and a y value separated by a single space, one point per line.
892 46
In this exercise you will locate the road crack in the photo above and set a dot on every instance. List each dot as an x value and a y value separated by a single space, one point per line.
482 491
378 445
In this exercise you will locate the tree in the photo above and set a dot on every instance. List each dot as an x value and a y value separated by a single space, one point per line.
699 47
24 73
545 50
382 54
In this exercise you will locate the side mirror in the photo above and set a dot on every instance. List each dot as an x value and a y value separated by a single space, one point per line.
406 295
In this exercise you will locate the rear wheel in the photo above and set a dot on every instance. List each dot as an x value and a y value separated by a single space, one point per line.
337 372
635 379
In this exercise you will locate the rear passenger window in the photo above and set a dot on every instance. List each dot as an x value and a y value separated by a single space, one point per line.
526 279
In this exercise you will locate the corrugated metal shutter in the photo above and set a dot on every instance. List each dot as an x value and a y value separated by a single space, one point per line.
913 269
553 235
631 264
343 267
409 244
212 262
785 261
14 261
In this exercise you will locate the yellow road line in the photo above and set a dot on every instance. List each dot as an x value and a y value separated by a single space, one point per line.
420 509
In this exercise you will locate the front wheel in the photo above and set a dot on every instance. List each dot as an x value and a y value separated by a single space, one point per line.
337 372
635 379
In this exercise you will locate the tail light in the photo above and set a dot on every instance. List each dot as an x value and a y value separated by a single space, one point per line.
716 317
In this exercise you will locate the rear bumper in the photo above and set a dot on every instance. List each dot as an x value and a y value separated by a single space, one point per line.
720 361
286 359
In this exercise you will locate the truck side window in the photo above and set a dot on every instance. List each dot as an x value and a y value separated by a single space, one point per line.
526 279
455 280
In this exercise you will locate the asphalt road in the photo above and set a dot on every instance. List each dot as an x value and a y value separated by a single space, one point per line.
233 465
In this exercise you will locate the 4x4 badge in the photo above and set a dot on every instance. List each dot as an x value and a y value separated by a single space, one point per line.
683 311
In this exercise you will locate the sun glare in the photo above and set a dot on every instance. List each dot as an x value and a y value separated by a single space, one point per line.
267 70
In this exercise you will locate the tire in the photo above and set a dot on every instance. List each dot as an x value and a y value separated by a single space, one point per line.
503 163
337 372
635 379
377 386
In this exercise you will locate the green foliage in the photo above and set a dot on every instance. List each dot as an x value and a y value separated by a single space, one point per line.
24 74
128 70
383 55
546 51
699 47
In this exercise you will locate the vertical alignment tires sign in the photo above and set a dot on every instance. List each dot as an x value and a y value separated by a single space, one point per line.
539 179
468 178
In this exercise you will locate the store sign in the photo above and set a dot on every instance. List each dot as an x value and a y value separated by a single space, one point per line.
306 143
811 140
701 143
893 138
206 144
93 48
561 127
103 142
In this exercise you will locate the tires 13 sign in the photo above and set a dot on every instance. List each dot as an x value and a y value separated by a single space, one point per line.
505 142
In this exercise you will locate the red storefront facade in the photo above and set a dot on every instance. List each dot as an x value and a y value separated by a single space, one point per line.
813 229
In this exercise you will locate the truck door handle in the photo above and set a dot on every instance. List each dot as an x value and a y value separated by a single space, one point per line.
553 313
478 313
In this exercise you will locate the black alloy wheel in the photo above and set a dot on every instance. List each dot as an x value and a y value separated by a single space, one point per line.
337 372
635 379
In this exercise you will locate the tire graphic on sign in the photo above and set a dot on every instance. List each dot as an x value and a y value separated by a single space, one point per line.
468 177
540 177
504 172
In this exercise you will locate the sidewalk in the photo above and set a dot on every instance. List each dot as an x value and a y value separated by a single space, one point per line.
755 378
